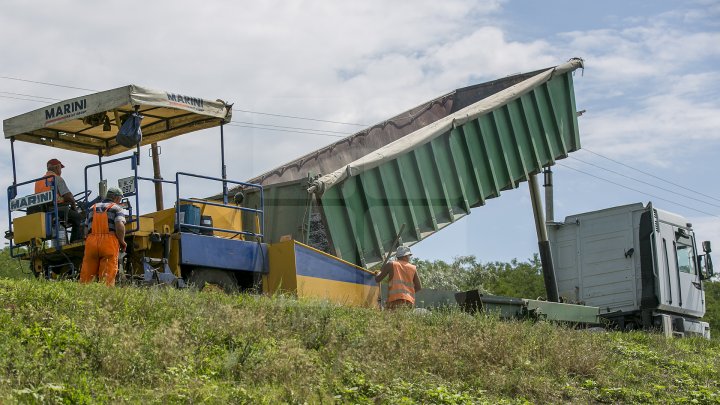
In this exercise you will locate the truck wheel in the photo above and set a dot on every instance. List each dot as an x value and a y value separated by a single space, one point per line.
201 278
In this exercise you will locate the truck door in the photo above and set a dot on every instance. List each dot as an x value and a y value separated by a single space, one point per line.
668 279
690 287
679 274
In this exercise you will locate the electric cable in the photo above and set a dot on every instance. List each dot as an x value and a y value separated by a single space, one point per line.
30 95
284 130
299 118
297 128
45 83
650 174
234 109
25 99
640 181
638 191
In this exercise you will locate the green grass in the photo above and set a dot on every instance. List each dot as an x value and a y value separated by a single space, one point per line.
13 268
61 342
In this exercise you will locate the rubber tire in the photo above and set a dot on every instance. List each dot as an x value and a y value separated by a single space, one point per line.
200 277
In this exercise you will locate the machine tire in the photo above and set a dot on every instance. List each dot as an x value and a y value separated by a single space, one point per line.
202 277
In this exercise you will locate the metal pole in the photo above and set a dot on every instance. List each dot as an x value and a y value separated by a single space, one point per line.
222 158
12 152
157 176
543 242
100 163
549 207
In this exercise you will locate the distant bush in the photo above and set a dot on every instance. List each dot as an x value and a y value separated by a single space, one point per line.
513 279
712 307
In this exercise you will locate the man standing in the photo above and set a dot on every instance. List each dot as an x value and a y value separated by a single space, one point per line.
106 237
67 207
404 280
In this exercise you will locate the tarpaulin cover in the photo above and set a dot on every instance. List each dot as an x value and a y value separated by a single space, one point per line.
439 127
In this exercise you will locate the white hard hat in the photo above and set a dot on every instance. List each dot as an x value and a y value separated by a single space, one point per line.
113 192
403 251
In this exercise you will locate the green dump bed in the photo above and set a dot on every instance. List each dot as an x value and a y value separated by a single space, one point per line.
424 168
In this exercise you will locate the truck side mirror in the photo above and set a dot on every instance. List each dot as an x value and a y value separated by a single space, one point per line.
708 270
709 266
706 246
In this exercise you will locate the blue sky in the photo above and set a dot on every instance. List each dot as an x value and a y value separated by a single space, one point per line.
651 88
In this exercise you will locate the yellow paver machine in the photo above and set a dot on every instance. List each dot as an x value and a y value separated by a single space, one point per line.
197 241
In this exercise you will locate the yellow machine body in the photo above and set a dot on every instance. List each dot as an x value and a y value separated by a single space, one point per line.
307 272
29 227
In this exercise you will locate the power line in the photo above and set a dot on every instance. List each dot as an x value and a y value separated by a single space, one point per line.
234 109
24 99
637 191
299 118
45 83
651 175
640 181
305 129
284 130
30 95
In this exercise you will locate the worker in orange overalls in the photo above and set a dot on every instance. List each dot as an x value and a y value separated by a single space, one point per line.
106 237
404 280
66 201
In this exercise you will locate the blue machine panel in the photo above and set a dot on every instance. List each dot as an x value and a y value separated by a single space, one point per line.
228 254
311 263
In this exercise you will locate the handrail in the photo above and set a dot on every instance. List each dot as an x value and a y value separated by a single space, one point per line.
56 216
155 180
133 166
260 213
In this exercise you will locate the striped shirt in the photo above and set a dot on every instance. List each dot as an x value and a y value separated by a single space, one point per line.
115 214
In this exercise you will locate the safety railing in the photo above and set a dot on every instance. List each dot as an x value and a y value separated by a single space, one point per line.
134 168
259 213
12 194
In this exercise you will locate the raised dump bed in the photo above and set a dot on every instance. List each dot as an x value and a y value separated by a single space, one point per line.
424 168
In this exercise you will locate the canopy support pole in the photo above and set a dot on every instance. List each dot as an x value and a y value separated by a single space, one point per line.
543 242
222 157
100 164
12 152
155 150
137 150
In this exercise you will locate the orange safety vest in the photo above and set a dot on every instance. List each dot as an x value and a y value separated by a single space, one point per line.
45 184
401 285
100 225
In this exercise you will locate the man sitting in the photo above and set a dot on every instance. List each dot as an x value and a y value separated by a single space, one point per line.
66 201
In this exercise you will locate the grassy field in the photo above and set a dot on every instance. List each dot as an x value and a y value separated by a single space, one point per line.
61 342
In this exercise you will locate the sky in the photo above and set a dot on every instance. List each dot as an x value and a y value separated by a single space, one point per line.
650 89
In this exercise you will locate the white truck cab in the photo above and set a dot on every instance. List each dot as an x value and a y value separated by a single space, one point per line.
638 264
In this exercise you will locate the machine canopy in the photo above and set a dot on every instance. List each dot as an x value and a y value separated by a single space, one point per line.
90 123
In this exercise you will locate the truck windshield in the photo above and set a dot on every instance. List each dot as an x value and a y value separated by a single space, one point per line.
685 257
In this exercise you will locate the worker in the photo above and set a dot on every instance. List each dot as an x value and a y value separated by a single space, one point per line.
404 281
106 238
67 207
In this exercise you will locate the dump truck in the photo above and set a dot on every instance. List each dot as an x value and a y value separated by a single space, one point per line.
640 265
